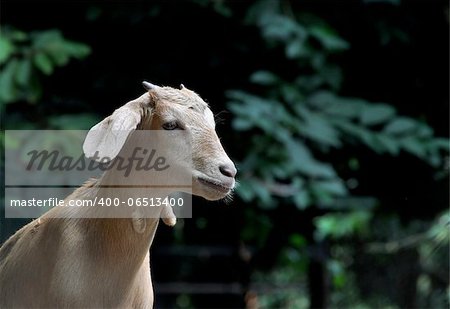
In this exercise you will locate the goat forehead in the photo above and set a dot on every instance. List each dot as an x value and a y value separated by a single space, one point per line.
183 97
175 104
209 117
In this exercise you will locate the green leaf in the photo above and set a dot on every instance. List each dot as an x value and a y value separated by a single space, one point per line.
391 145
376 114
259 112
8 90
322 198
296 49
362 134
310 82
334 187
400 125
414 146
23 72
380 143
281 28
291 94
236 108
44 40
264 197
424 131
341 225
17 36
54 50
332 75
6 49
302 199
43 63
333 105
222 8
297 241
317 128
304 162
76 50
328 38
441 144
241 124
338 273
60 58
34 89
250 189
264 78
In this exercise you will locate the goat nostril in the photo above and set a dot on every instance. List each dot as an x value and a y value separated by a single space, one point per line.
228 170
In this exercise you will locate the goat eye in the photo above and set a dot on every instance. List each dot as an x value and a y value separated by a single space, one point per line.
172 125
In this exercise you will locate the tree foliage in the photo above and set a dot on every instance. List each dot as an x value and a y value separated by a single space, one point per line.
295 122
297 119
24 58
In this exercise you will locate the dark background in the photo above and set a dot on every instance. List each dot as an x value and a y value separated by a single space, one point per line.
398 53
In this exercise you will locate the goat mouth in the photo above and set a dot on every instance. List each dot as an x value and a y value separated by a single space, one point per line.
215 185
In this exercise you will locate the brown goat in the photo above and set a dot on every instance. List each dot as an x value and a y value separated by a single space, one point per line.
69 259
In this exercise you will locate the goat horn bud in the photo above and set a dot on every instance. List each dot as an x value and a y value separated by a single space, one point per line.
182 86
149 86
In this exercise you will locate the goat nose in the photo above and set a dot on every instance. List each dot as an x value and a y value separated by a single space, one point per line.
228 170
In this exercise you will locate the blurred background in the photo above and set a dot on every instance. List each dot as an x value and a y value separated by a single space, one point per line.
335 112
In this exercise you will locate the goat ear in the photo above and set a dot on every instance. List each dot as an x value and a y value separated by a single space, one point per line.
104 140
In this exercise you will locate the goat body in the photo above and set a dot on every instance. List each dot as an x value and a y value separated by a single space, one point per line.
70 259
